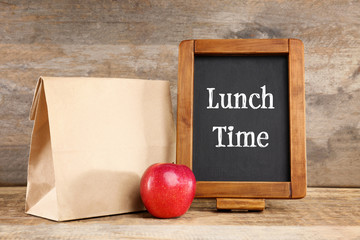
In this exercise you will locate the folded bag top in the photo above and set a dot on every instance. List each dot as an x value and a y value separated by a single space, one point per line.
92 140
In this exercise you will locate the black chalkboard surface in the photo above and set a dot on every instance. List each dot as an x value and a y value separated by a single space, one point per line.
241 74
241 119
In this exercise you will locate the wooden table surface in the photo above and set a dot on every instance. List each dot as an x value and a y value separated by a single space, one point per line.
326 213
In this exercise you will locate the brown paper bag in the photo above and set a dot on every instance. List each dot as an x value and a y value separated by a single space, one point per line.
92 140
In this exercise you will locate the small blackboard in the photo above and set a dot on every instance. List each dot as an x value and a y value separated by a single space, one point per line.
233 81
241 117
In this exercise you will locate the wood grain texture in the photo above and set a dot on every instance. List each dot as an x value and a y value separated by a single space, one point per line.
240 204
297 119
244 46
184 131
210 189
139 39
326 213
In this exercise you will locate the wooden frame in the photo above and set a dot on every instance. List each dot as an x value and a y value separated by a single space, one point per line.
294 48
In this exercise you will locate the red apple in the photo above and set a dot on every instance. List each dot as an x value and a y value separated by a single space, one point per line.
167 190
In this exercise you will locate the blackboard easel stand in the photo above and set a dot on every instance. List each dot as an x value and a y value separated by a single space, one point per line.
240 204
193 80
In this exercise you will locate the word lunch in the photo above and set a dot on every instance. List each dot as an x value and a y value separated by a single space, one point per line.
262 100
233 100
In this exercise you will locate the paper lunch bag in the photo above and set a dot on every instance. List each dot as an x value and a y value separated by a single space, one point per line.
92 140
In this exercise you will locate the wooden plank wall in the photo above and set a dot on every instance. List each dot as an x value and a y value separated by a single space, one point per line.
139 39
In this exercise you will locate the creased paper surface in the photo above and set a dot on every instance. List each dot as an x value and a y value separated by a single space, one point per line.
92 140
